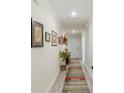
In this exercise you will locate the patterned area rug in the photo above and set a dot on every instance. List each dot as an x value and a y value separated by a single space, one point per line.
75 81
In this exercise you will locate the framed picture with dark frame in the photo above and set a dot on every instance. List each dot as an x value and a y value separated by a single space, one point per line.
47 37
54 38
59 40
36 34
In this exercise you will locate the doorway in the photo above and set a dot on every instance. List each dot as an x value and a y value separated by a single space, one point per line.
75 46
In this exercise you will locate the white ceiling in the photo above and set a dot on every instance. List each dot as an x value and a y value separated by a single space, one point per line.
63 9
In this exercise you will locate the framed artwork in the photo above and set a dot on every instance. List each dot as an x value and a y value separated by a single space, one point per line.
54 38
59 40
47 37
36 34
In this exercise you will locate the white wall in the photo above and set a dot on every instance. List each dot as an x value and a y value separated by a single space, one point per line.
83 47
88 61
89 46
45 60
74 45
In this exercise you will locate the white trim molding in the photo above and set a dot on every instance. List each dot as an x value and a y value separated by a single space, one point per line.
88 75
58 83
52 83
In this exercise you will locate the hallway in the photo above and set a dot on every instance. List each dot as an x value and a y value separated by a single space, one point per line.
59 34
62 46
75 81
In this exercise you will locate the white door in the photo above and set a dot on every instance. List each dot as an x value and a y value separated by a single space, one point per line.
75 51
74 45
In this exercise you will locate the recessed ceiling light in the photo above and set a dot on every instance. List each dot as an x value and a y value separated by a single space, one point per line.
73 31
73 14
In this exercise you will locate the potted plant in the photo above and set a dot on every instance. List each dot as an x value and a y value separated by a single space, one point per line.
64 56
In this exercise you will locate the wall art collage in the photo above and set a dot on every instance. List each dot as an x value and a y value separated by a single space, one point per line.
37 36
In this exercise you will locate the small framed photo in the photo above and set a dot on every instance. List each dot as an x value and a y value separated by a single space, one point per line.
47 37
54 38
59 40
36 34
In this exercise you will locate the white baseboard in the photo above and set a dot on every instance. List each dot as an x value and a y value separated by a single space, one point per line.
52 83
87 74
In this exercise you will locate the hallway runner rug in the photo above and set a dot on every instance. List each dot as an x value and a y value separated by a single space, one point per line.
75 81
